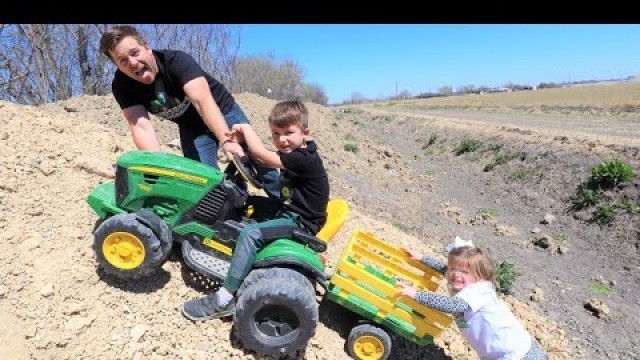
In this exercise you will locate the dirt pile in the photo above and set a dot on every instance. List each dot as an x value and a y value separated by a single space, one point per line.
54 304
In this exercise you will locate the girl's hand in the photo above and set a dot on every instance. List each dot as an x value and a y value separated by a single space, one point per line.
407 290
413 254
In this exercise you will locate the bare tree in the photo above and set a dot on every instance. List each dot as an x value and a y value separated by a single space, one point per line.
50 62
214 47
42 63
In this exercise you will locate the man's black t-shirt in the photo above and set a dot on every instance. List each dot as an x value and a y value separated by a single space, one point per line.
175 68
304 186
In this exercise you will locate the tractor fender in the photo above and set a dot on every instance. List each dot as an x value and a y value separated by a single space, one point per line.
300 266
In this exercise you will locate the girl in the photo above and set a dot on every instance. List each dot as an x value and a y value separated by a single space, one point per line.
486 322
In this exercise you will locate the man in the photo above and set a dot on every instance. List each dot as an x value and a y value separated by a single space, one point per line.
173 86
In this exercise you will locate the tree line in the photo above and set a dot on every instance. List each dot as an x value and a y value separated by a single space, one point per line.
43 63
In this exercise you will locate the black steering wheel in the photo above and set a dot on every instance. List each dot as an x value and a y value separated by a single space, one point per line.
247 170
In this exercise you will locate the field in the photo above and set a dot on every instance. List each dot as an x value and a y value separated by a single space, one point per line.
400 167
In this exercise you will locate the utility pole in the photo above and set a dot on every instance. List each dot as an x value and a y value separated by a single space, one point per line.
396 90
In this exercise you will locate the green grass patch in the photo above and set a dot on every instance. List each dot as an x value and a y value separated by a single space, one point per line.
519 173
401 227
351 147
489 212
599 288
560 239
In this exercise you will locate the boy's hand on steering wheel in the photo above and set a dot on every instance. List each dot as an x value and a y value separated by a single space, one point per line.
233 148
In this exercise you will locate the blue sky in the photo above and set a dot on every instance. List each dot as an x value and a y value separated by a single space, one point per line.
374 60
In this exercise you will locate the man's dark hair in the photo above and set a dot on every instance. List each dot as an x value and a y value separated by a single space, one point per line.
115 34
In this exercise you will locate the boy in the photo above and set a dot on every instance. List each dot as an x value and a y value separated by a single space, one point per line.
304 194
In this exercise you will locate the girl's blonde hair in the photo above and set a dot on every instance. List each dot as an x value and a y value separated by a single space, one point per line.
479 263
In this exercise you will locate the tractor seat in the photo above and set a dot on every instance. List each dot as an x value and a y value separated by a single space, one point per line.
337 211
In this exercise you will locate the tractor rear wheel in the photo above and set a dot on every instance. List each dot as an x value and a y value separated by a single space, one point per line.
276 318
129 247
283 274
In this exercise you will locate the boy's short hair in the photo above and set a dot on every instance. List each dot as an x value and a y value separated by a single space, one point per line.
115 34
289 112
480 264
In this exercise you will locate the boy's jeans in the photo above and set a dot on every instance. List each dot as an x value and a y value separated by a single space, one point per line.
253 238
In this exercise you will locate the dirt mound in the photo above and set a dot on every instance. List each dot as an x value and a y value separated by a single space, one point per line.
55 304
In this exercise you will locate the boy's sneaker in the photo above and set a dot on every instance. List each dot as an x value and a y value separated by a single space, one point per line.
207 307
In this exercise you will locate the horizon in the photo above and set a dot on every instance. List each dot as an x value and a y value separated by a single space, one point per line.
381 61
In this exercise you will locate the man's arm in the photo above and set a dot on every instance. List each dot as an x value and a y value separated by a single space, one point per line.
142 131
200 96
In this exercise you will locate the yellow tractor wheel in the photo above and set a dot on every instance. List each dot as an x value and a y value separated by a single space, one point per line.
131 246
368 342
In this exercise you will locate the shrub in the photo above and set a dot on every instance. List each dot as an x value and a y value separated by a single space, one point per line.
587 197
467 145
604 215
609 174
629 205
498 160
505 277
431 141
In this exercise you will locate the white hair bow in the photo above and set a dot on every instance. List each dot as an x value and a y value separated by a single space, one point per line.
458 242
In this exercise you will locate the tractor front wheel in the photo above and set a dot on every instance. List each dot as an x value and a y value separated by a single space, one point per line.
128 247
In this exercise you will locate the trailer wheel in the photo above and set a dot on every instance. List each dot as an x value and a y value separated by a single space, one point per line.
368 342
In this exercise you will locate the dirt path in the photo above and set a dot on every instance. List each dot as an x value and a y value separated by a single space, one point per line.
459 188
619 132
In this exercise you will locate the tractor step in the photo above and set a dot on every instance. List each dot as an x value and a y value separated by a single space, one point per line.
206 263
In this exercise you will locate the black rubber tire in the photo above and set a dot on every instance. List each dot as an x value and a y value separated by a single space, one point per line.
377 340
276 318
160 229
282 274
156 250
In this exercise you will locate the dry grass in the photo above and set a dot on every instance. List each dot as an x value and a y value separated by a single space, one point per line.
596 95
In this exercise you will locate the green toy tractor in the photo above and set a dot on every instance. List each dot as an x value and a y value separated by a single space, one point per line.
159 201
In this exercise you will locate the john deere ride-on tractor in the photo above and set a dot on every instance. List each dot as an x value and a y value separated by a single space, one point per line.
159 201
